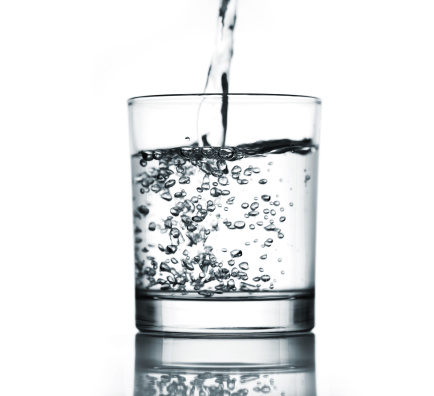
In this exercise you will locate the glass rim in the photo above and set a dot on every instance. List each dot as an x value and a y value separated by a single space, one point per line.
304 98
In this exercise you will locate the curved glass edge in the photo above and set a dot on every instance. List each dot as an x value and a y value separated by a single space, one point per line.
288 97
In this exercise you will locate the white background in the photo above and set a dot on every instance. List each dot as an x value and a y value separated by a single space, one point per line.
66 254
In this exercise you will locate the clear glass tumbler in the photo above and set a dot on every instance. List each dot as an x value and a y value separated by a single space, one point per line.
224 213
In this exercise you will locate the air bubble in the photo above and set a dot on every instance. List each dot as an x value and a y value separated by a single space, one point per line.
282 219
164 267
265 198
245 205
184 180
252 226
236 253
186 151
265 278
263 181
244 266
171 249
263 257
143 210
223 180
254 205
170 183
239 224
152 226
227 153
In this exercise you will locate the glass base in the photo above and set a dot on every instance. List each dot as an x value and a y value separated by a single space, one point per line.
225 316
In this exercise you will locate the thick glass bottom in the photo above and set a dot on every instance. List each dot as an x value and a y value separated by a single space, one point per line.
265 314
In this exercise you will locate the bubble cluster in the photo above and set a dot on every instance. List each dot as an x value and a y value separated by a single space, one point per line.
208 383
186 199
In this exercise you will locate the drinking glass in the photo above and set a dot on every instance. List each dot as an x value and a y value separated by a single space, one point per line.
224 208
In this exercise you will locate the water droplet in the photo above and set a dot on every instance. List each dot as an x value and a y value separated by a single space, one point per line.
261 269
239 224
279 260
236 253
252 226
245 205
263 257
282 219
265 278
291 204
187 138
282 272
143 163
152 226
231 262
273 212
263 181
265 198
244 266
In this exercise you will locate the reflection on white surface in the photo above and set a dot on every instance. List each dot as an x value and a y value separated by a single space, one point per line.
279 365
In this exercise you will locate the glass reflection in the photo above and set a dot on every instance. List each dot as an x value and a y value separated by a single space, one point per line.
195 366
